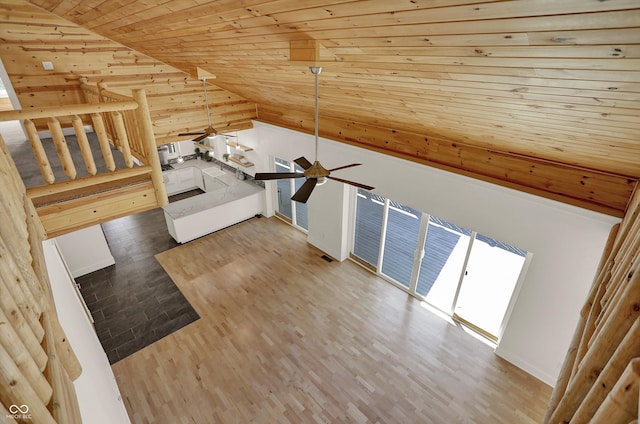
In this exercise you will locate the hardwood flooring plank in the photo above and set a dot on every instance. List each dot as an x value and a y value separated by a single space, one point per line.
286 337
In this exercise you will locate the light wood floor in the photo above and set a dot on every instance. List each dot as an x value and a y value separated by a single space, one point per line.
285 337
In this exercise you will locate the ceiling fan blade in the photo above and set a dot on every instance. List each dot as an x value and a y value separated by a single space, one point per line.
303 163
346 166
277 175
193 133
353 183
303 193
202 137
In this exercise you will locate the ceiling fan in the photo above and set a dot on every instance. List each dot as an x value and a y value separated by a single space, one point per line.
315 173
209 131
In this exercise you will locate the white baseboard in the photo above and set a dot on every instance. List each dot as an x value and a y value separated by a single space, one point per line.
89 268
536 372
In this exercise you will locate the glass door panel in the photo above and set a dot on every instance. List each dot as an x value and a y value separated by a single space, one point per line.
301 208
401 239
284 189
368 227
491 275
441 267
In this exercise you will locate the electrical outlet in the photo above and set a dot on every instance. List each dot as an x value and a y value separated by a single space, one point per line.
47 66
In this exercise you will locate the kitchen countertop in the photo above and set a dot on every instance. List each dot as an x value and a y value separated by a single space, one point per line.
235 189
196 163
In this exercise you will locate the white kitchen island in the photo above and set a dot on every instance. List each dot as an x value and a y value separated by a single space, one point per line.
225 203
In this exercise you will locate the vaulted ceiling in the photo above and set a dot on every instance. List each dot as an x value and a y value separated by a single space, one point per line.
540 95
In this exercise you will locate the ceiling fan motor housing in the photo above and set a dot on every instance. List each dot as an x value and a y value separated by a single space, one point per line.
316 171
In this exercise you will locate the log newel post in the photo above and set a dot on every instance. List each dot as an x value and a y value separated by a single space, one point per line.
149 144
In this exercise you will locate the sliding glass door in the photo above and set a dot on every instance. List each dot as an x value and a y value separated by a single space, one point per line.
299 208
490 278
368 228
468 276
446 249
400 238
293 212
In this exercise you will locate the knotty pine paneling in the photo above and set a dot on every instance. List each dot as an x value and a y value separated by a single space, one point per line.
556 81
31 36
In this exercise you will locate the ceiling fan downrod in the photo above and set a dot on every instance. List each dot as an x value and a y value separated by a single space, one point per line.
315 70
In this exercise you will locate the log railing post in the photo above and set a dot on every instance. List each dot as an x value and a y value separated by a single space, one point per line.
103 140
109 126
38 150
613 332
83 143
621 405
149 141
628 349
123 139
62 148
597 391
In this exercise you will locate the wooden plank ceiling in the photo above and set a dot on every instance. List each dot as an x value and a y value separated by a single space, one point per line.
540 95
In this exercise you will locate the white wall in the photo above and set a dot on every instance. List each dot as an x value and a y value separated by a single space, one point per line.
98 394
11 93
85 250
328 224
566 241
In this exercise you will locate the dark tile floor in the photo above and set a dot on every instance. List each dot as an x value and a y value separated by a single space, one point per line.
134 302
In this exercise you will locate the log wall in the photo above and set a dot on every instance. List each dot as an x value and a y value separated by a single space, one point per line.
37 365
599 379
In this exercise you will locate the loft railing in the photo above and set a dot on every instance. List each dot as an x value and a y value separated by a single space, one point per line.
123 123
132 136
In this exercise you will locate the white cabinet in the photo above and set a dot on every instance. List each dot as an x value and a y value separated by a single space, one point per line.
197 178
182 179
185 178
170 180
